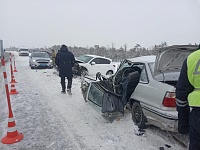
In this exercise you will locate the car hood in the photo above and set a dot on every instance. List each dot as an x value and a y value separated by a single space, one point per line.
170 59
40 58
79 61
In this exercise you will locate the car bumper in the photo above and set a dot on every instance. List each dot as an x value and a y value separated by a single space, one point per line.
41 66
23 54
164 119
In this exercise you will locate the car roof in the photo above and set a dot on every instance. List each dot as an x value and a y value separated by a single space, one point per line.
147 59
95 56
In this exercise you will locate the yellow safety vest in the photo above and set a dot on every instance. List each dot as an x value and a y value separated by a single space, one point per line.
193 72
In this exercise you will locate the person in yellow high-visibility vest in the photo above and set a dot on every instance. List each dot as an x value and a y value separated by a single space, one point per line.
188 99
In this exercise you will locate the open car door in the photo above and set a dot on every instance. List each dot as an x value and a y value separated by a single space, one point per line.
108 103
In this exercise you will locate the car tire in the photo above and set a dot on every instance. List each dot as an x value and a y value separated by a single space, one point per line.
138 116
32 67
110 72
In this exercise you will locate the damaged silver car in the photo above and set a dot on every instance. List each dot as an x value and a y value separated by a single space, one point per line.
145 85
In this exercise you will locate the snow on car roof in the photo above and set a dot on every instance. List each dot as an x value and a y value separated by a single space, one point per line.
150 58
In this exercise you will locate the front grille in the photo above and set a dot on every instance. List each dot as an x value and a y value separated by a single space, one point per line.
42 61
24 54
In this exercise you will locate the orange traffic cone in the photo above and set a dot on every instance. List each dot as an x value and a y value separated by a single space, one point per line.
13 79
15 69
13 89
12 134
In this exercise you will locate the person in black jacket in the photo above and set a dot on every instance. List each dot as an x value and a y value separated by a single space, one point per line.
65 61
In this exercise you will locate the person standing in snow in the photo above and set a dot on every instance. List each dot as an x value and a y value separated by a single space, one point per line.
53 57
188 96
65 61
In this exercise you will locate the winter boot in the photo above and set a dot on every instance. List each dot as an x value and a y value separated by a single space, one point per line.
63 87
69 91
64 92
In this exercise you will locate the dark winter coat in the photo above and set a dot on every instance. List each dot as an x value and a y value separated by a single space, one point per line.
183 88
65 61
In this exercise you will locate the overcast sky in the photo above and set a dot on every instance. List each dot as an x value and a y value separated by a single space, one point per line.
39 23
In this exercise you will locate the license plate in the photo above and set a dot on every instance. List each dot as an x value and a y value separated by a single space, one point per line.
43 65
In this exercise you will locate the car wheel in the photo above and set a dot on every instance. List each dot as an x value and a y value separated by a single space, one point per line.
137 115
32 67
110 72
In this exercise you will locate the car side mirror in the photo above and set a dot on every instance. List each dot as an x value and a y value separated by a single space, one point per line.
93 63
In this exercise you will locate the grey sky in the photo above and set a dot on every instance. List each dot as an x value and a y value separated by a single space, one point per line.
39 23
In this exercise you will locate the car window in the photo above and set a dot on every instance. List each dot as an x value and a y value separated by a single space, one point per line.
151 66
143 76
95 95
104 61
23 50
97 60
44 55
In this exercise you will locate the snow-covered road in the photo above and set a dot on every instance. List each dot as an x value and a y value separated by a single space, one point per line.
50 120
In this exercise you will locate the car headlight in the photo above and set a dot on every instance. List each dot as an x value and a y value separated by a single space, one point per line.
33 60
50 61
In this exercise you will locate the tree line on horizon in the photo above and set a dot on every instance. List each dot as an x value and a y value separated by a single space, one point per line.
113 53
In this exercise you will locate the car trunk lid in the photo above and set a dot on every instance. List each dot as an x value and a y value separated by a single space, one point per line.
170 59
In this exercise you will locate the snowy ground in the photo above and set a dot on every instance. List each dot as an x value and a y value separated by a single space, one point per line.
50 120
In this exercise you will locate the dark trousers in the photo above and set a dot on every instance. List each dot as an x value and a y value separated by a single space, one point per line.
194 132
69 83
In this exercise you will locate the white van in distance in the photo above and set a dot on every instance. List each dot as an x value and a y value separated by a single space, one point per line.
23 52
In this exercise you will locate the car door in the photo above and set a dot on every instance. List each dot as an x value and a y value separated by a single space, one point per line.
105 65
101 65
148 92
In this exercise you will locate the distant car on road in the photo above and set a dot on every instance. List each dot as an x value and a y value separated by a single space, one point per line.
23 52
91 64
40 60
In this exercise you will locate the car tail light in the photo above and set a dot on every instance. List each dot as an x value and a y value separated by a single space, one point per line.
169 99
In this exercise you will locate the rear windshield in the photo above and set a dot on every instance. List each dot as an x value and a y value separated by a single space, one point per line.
45 55
171 76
